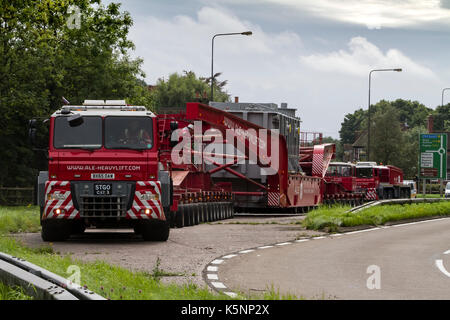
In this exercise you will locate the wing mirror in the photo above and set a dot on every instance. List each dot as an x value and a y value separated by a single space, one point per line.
75 120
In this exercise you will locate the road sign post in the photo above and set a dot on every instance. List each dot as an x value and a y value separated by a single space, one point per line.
433 156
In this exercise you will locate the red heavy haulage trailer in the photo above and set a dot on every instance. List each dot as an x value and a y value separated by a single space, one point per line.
112 165
284 189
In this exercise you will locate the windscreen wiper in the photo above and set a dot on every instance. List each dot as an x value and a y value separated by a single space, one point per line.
89 147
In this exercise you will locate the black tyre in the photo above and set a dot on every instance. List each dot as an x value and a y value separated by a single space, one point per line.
41 212
78 227
155 230
137 229
179 217
171 217
213 212
195 214
202 208
55 230
187 215
207 212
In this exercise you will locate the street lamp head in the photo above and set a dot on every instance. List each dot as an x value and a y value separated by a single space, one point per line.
398 70
247 33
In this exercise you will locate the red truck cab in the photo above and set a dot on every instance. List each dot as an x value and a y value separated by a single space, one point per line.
381 182
103 172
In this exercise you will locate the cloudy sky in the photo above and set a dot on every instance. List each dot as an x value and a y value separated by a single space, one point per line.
313 54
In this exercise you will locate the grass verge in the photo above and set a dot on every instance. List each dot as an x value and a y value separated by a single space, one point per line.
112 282
19 219
331 219
9 293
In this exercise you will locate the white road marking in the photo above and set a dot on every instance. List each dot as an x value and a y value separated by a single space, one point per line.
246 251
283 244
364 230
265 247
231 294
212 276
218 285
440 266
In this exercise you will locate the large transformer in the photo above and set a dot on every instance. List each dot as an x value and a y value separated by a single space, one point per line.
269 116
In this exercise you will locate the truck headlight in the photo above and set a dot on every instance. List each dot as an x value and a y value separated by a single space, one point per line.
57 196
149 196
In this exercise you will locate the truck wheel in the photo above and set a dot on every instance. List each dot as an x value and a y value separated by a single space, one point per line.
41 212
78 227
55 230
155 230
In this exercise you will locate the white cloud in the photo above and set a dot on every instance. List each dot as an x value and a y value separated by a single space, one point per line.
274 66
375 13
363 56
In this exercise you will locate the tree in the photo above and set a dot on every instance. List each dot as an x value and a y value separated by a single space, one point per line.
179 89
352 126
442 118
387 136
339 147
42 59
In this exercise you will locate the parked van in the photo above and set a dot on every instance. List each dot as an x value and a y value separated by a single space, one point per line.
413 187
447 190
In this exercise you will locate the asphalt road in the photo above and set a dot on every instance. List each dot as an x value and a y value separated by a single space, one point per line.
187 251
407 258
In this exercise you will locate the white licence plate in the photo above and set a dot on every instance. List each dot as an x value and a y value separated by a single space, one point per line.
101 176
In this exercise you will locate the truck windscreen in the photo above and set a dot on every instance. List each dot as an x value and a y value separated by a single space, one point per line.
128 133
88 135
364 172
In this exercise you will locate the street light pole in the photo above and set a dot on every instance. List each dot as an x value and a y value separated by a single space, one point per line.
246 33
443 90
370 81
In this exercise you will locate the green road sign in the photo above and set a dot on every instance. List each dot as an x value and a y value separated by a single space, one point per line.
433 156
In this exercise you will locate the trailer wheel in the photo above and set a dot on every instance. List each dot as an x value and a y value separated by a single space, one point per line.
216 211
196 213
201 208
208 212
179 217
55 230
187 215
155 230
223 210
231 210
